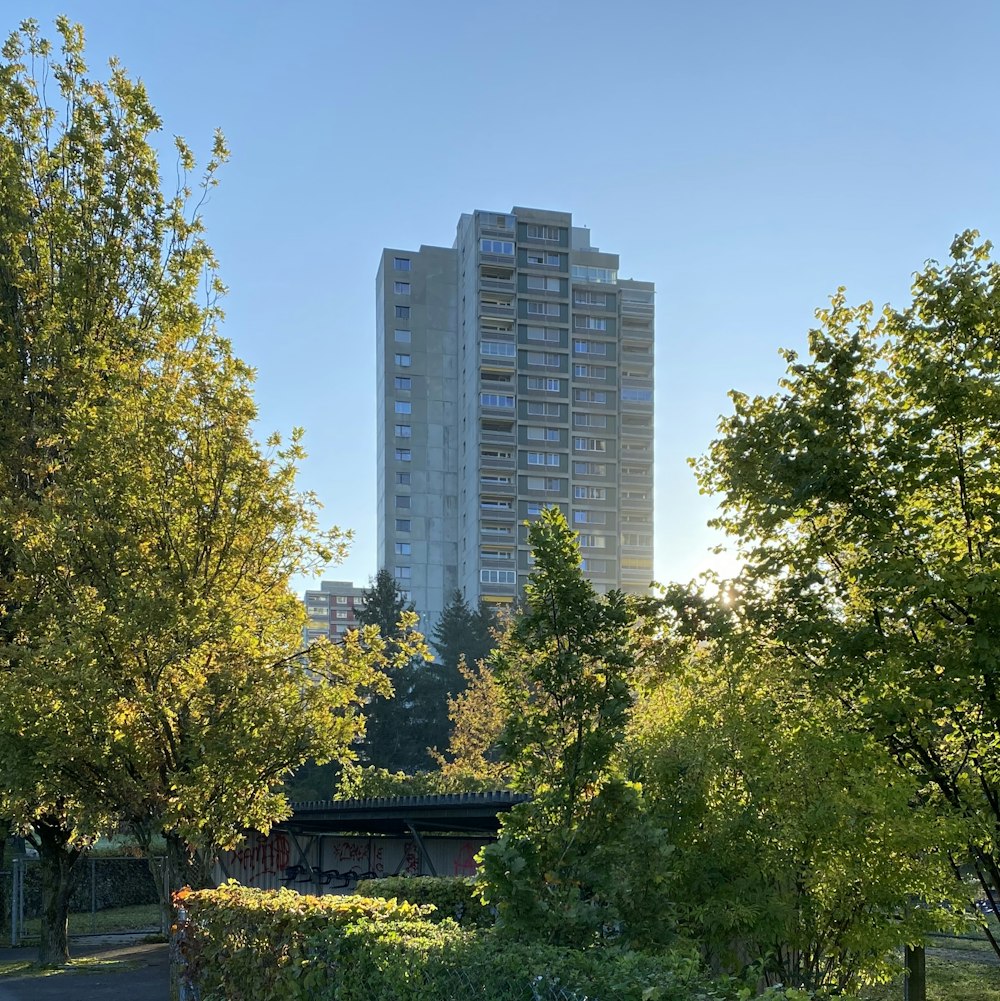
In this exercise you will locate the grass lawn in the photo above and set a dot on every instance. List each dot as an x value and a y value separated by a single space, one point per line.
948 980
140 917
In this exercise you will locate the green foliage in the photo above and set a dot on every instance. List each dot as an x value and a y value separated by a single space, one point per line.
472 760
251 945
801 846
150 644
863 498
579 861
462 634
403 723
453 897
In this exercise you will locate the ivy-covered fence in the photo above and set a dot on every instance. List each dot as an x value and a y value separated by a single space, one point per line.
243 944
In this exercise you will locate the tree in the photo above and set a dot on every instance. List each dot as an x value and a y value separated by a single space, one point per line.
862 497
404 723
578 861
149 639
472 760
462 634
803 849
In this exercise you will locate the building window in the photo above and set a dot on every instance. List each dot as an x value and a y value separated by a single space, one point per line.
505 248
589 469
636 539
550 233
401 288
590 445
589 348
590 420
403 336
535 508
496 400
581 298
403 479
590 323
543 282
547 334
340 615
607 276
543 459
543 258
590 493
533 433
403 548
590 565
403 455
403 361
404 382
341 599
545 385
403 573
403 501
549 484
590 371
401 264
503 378
402 524
493 504
535 408
404 431
402 312
403 407
498 349
590 395
497 576
543 308
641 395
593 542
546 359
590 518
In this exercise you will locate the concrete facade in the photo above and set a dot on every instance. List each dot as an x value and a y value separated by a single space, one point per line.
333 609
515 371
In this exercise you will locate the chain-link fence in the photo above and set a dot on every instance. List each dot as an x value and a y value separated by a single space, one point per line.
107 896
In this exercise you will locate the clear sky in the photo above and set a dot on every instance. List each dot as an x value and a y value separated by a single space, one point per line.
747 157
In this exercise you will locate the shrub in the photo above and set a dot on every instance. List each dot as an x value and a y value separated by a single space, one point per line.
453 896
256 945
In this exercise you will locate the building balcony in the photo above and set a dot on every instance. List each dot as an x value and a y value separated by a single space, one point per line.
494 310
498 437
497 284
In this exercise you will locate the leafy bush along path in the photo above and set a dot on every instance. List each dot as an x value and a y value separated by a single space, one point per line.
137 971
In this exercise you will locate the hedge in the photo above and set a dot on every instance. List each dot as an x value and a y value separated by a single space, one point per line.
244 944
452 896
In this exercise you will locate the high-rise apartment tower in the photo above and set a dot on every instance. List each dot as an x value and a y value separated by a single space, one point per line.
515 371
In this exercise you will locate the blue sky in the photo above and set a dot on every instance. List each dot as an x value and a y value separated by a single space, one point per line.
748 158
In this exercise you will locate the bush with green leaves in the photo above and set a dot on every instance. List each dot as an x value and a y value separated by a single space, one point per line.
257 945
453 896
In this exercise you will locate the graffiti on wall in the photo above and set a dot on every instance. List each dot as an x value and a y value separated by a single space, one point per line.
260 856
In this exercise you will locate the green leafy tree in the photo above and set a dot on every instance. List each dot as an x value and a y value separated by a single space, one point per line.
149 640
472 761
803 850
863 497
403 724
578 861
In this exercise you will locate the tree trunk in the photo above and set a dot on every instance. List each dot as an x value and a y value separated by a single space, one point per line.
187 866
57 858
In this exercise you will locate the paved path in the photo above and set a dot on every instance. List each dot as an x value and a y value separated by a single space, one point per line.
148 981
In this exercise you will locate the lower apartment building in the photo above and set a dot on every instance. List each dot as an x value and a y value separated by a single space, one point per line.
515 372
